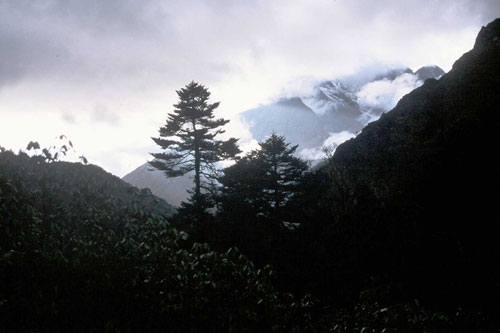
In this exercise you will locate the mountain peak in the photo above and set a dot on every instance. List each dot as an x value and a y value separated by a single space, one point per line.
489 37
429 72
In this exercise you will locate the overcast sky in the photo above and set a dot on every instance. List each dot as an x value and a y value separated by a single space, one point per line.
104 73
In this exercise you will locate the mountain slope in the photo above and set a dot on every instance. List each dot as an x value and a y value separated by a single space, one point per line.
335 104
345 104
72 179
421 178
290 118
173 190
429 72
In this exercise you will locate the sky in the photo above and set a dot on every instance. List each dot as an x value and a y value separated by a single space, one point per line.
105 73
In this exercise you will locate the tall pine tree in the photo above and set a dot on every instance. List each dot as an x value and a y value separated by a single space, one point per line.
263 181
189 143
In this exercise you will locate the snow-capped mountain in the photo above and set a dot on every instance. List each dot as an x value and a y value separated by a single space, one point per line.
334 112
334 105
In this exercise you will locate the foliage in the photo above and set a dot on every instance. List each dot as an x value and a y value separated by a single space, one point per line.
188 215
55 152
373 312
64 180
189 140
263 182
84 265
369 316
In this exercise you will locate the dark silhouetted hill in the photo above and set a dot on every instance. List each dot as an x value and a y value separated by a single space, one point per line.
416 190
68 179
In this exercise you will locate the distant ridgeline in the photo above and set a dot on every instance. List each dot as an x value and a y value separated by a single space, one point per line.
422 181
70 179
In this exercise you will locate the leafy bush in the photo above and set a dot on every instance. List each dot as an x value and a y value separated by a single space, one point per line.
369 315
82 264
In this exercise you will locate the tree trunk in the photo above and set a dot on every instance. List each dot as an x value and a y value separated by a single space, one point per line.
276 191
197 182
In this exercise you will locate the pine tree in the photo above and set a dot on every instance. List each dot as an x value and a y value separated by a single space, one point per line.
189 140
283 171
264 180
241 189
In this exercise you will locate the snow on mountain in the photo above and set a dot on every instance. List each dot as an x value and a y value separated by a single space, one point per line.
335 106
341 108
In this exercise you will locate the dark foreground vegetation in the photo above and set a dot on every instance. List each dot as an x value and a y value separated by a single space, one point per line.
396 232
71 259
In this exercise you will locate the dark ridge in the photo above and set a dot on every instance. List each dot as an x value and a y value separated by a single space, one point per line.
423 175
71 178
429 72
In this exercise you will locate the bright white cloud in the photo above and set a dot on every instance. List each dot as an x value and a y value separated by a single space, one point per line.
385 94
331 143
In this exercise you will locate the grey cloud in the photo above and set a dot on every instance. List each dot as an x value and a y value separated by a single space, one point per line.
76 39
25 51
114 38
110 17
102 113
488 10
145 43
68 117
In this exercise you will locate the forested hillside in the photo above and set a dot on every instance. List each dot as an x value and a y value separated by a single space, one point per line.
67 180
